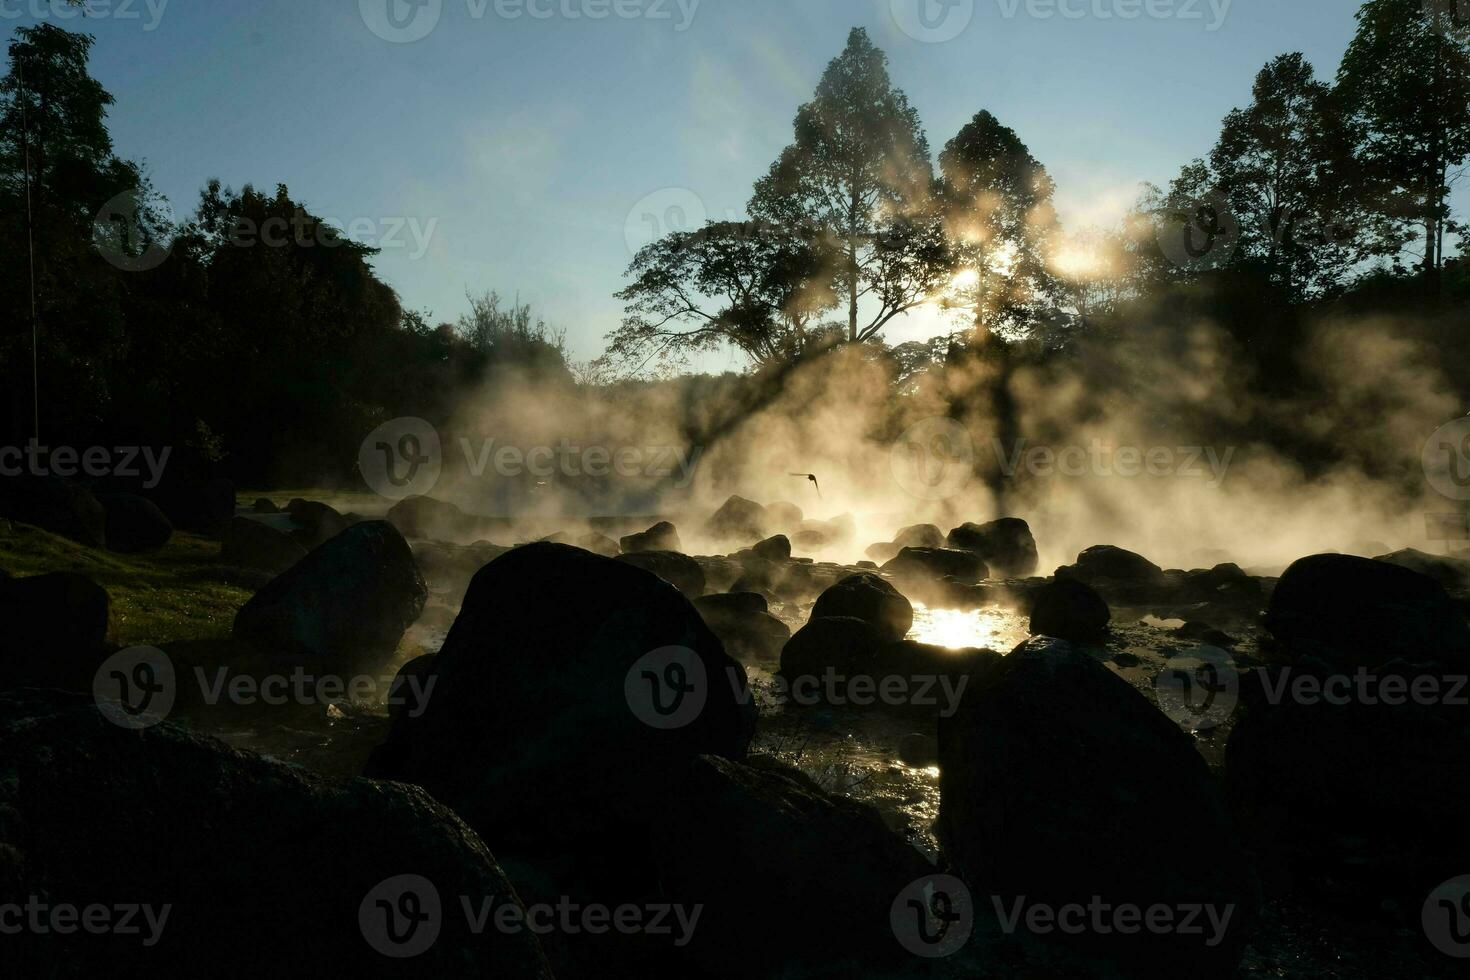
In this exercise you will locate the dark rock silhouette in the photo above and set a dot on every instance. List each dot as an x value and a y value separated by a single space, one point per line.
56 505
1047 773
343 608
134 525
1069 610
663 536
868 597
680 571
532 733
1356 612
1006 545
253 544
233 844
55 631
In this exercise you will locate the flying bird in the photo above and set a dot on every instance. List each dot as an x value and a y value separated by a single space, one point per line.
813 478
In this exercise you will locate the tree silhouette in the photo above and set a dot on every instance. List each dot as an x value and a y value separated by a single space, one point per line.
1406 80
859 175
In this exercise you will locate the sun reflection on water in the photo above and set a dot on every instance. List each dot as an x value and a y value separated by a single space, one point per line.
959 629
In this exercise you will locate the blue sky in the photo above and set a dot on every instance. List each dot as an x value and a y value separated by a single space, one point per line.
527 151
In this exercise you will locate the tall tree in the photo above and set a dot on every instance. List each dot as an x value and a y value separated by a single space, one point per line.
859 175
1283 164
758 288
1406 79
1002 227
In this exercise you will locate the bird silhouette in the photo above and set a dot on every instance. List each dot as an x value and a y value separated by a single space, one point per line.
813 478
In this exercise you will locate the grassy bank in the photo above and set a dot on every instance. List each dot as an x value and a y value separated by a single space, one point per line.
180 593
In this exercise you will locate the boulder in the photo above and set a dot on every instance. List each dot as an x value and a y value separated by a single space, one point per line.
254 544
1452 573
920 536
134 525
598 544
868 597
1369 792
264 505
226 845
816 535
663 536
1107 563
343 608
738 519
1005 545
680 571
433 520
55 631
56 505
769 854
1225 583
937 563
845 645
777 548
549 725
918 750
1356 612
1060 783
316 522
193 500
745 625
782 516
1070 610
883 551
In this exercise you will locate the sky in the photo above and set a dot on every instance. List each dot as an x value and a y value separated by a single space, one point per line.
530 146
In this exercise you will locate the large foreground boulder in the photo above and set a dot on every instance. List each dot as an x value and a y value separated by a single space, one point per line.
569 697
56 505
1360 781
870 598
794 881
1006 545
55 631
344 607
1356 612
134 525
217 845
1061 785
1070 610
254 544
